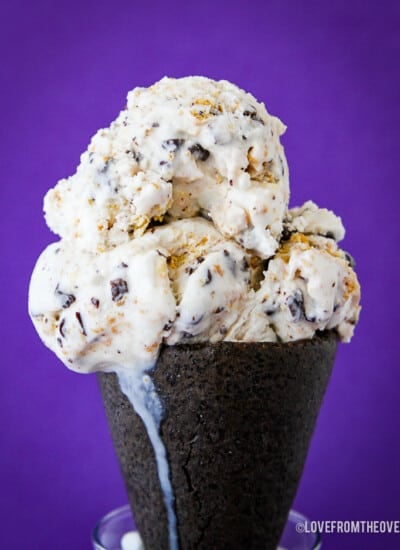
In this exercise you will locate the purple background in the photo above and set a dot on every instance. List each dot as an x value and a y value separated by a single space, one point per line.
328 69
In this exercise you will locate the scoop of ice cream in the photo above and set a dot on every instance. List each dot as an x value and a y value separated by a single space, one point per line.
181 148
96 311
309 286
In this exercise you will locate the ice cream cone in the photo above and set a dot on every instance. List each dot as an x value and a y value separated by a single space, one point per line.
238 420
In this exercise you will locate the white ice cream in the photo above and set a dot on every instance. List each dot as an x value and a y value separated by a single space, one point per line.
185 282
180 148
311 220
98 310
137 267
309 286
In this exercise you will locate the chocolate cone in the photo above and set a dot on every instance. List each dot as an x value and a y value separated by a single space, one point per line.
238 419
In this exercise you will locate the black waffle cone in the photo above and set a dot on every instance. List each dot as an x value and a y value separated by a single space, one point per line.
238 420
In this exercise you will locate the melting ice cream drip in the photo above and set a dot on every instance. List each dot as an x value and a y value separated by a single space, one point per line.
142 395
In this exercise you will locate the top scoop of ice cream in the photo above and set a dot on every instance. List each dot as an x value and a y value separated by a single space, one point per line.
176 228
181 148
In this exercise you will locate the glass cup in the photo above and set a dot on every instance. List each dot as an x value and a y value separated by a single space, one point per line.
110 529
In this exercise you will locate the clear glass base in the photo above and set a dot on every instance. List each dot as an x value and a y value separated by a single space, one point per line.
116 531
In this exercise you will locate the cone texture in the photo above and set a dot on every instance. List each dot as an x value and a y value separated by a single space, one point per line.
237 426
